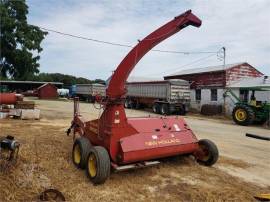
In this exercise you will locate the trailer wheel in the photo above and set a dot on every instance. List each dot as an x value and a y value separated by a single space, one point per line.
156 108
165 110
243 115
182 110
98 165
81 148
138 105
208 153
131 104
126 104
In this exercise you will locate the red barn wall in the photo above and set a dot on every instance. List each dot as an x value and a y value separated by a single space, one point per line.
241 71
203 80
48 91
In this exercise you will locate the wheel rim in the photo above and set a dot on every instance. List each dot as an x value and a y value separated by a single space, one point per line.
205 153
77 154
92 165
240 115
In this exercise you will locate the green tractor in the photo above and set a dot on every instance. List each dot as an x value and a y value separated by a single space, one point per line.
248 112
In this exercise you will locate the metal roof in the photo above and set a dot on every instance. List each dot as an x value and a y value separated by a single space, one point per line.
45 84
156 80
143 79
257 82
205 69
30 82
89 84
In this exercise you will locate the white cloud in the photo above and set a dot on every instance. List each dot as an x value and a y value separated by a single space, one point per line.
243 27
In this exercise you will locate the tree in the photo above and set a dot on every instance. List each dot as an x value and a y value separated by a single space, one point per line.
64 78
20 42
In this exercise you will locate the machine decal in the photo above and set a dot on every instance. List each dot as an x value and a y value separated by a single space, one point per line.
162 142
154 137
176 127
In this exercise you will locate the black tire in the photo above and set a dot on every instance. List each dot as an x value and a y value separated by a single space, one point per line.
165 109
101 163
247 116
156 108
210 152
126 104
138 105
182 110
131 104
81 147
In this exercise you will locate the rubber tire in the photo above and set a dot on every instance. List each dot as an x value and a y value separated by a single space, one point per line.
156 108
165 109
250 115
103 165
138 105
131 104
85 147
126 104
212 149
182 111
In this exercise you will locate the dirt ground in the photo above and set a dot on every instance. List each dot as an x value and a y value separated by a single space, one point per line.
242 171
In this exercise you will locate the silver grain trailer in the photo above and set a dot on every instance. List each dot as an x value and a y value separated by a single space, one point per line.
164 97
89 91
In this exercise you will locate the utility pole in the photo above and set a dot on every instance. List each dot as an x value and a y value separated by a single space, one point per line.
224 56
224 63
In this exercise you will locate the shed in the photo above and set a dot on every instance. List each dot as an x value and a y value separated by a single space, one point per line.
23 86
47 91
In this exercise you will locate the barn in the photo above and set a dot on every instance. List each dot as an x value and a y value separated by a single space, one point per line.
209 83
47 91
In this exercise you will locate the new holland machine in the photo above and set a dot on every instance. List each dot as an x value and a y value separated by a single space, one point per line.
115 142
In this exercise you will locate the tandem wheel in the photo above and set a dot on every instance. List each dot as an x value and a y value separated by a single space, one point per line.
98 165
81 148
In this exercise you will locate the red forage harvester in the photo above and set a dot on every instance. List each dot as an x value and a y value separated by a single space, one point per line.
116 142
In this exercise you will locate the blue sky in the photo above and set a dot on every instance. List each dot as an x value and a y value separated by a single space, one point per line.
242 26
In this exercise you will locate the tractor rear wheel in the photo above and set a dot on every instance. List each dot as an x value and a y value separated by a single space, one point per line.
98 165
81 148
243 115
208 153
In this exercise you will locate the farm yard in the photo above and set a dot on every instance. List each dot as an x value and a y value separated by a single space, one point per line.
134 101
45 161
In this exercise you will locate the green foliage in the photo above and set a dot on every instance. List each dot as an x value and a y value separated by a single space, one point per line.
66 79
20 42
